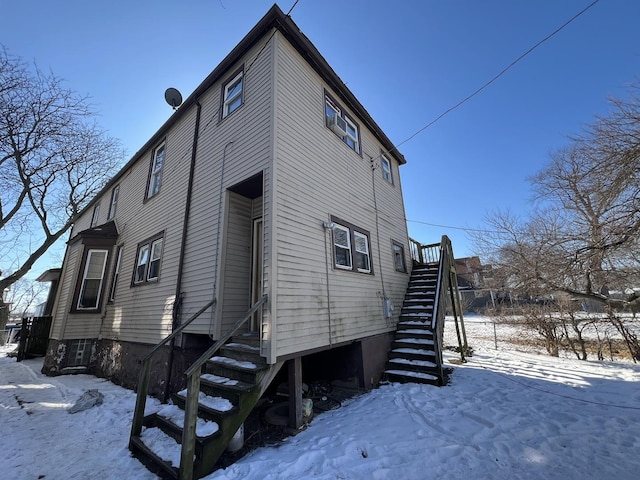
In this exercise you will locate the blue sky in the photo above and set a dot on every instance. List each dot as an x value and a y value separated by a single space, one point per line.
407 62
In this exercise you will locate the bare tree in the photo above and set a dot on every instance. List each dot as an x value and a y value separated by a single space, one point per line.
53 160
583 236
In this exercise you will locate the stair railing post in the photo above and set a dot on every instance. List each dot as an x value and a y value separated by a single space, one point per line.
188 450
141 398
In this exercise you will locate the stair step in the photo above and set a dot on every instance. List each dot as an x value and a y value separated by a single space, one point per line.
243 365
413 363
416 341
408 376
414 333
243 352
421 352
224 383
233 369
248 338
160 448
413 354
175 415
415 299
414 324
218 404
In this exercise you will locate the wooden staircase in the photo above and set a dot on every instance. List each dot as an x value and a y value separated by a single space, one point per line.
185 439
413 356
416 352
231 384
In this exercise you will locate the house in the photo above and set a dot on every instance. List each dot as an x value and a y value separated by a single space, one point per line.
263 221
270 179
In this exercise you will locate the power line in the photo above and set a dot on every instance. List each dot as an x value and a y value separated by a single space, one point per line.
466 229
502 72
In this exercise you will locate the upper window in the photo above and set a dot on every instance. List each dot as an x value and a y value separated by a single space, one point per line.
155 173
342 246
92 280
114 202
232 94
362 258
398 257
148 261
351 247
96 214
116 274
341 123
385 166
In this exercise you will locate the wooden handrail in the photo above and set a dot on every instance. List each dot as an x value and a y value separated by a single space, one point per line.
143 378
193 389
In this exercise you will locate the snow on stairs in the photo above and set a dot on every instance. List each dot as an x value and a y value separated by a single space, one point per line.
232 383
413 357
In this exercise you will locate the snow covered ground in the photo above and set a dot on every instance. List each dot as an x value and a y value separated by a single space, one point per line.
507 414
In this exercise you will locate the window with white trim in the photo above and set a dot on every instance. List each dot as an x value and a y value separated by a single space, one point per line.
385 167
347 129
116 274
232 94
362 258
398 257
155 172
92 280
351 247
96 215
342 246
113 204
352 137
148 260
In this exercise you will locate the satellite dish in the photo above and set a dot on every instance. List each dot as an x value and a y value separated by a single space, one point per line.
173 97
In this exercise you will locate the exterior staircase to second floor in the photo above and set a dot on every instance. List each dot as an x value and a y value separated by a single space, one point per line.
416 352
413 353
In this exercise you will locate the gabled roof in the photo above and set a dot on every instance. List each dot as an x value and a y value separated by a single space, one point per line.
274 18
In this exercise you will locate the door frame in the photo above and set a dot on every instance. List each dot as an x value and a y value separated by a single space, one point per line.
257 263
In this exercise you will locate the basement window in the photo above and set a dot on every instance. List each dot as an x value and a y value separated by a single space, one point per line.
79 352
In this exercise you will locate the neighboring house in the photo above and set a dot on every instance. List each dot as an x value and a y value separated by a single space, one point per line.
470 271
270 179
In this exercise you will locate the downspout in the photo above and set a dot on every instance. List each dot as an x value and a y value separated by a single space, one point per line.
386 302
177 303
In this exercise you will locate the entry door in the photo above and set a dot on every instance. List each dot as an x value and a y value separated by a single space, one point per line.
256 271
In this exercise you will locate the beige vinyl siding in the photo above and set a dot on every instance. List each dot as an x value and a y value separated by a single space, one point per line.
65 292
242 141
319 177
141 313
236 269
